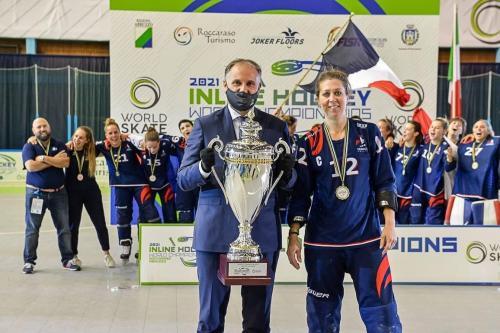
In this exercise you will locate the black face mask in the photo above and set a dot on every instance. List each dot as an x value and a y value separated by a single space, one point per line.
241 101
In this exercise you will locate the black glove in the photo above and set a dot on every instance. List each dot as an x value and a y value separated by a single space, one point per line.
285 163
207 156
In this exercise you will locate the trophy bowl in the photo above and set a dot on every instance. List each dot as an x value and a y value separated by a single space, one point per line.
248 177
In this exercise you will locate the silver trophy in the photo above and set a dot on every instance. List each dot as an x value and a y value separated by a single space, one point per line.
248 182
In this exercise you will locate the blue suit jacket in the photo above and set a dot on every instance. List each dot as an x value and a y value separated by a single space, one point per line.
215 224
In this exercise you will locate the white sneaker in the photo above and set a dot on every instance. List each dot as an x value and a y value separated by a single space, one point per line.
77 261
109 261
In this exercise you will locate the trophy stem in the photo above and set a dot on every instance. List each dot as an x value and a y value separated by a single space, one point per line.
244 248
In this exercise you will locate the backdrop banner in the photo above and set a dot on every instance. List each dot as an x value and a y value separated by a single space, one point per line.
441 254
169 57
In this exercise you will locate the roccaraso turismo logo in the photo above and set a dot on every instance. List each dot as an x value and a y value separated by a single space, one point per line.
144 93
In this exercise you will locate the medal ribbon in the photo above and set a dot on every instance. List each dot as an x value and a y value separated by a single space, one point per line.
340 172
474 150
117 159
80 164
46 151
153 163
429 160
405 161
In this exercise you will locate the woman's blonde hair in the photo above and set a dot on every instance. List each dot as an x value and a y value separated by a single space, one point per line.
151 135
110 122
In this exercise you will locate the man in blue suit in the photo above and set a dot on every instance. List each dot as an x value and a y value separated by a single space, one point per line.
215 223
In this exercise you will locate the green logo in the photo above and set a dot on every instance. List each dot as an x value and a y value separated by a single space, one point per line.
480 8
416 92
143 34
144 93
476 252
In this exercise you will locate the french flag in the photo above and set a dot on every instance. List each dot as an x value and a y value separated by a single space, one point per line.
354 55
483 212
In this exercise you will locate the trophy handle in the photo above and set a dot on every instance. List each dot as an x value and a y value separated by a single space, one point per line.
280 147
217 144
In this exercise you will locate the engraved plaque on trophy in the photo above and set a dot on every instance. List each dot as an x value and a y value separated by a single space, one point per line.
249 179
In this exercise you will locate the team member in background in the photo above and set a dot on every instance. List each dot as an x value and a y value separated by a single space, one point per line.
127 177
406 168
388 131
477 165
283 194
45 189
157 167
84 191
185 201
428 203
456 129
345 167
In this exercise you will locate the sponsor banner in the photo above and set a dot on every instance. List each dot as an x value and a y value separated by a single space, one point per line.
381 7
469 255
169 66
12 169
479 23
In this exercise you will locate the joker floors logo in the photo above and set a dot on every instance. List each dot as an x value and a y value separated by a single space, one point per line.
143 34
286 38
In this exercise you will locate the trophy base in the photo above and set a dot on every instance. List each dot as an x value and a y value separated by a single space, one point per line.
243 272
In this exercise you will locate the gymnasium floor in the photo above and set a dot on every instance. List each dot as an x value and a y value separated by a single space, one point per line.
108 300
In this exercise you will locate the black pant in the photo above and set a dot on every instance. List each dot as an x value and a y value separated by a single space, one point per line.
92 199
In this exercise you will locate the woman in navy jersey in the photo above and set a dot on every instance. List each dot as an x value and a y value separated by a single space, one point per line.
127 178
157 167
343 165
406 167
477 166
388 131
185 201
84 191
428 203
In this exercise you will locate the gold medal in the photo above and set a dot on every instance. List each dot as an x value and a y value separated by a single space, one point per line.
428 170
117 174
152 178
403 172
79 177
342 192
475 165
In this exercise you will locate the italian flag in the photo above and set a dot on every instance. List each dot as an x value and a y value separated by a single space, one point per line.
455 95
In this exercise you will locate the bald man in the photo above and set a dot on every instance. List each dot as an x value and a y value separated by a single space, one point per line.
45 162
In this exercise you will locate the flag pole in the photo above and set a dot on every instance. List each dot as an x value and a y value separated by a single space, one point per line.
331 41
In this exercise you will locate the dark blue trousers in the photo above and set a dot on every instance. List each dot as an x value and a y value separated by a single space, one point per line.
372 279
214 297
